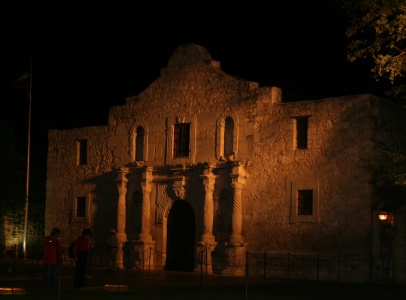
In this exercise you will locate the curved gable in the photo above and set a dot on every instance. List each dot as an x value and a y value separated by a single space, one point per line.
189 55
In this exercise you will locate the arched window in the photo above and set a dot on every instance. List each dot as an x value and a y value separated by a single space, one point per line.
139 144
229 137
138 141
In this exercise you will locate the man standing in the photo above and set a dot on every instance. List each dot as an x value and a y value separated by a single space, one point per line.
51 257
112 247
81 253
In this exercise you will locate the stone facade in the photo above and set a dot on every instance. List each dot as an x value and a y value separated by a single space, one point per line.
204 161
12 234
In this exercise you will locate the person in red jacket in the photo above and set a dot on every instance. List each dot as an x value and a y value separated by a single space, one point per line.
80 253
51 257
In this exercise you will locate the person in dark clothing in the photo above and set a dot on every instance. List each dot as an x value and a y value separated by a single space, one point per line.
51 257
81 252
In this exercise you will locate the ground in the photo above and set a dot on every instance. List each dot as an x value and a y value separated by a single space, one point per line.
144 284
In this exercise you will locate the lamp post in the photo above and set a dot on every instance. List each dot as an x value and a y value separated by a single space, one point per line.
386 241
27 182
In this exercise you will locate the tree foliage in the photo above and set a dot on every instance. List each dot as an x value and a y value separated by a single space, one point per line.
377 32
389 179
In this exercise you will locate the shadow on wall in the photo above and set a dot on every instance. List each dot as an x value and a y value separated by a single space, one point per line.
105 201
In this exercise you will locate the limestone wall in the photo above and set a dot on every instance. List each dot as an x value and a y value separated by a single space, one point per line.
343 135
13 233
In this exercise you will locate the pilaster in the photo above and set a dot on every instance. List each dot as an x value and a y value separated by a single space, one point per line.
121 181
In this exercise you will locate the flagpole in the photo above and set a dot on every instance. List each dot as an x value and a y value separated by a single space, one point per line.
27 182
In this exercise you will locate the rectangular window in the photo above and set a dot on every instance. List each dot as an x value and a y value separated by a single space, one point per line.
305 202
82 152
302 124
81 207
181 139
304 198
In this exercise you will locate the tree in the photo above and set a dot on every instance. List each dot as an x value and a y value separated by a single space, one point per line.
377 32
389 179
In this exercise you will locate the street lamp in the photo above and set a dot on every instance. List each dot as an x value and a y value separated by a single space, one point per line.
383 216
386 243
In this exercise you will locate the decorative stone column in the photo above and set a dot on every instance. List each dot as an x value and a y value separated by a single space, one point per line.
121 181
146 245
236 249
145 235
208 182
207 242
238 180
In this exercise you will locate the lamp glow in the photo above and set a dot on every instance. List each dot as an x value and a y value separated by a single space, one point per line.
383 216
11 290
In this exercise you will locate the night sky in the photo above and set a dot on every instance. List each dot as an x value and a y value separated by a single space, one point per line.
91 56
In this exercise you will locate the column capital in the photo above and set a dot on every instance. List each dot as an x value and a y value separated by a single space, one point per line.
148 172
237 184
241 168
146 188
121 175
238 175
208 177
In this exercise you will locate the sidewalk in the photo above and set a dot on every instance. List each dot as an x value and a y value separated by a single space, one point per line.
140 285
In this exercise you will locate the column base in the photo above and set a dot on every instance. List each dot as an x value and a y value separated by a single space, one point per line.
205 263
122 238
207 238
236 240
145 238
146 252
235 260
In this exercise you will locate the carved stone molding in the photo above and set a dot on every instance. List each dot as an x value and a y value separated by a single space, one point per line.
164 202
179 189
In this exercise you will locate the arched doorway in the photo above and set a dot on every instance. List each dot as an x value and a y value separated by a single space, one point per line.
180 248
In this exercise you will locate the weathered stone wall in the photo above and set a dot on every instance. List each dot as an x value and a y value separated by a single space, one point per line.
67 180
12 235
341 137
343 134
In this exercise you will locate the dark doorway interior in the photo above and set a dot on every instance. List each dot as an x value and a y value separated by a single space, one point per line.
180 249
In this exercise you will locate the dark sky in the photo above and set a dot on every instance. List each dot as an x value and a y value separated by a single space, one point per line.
93 55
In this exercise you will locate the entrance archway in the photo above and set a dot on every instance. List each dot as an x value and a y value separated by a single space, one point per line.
181 245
